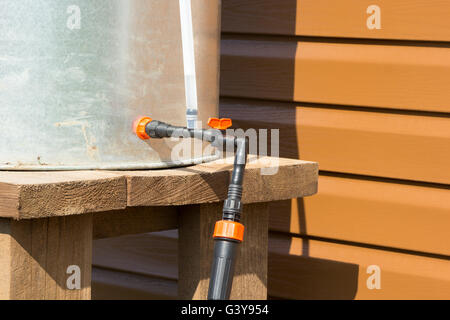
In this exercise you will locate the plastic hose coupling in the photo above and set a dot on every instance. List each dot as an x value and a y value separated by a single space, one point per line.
139 127
232 207
230 230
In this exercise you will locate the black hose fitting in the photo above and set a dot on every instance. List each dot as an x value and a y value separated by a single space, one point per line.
232 207
225 248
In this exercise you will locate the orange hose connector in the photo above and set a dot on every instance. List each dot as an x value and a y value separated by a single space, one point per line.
139 127
229 230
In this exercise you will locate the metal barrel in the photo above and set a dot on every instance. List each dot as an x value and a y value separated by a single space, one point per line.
75 74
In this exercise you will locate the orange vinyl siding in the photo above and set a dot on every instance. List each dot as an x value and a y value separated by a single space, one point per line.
375 114
357 141
368 75
400 19
385 212
310 269
410 217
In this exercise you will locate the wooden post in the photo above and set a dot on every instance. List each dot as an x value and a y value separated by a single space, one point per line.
196 225
36 256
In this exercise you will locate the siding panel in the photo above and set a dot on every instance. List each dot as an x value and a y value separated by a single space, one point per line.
393 145
358 106
400 19
381 76
385 214
309 269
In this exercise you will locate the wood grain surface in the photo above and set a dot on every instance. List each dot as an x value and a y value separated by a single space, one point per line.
44 194
134 220
266 179
26 195
36 254
110 284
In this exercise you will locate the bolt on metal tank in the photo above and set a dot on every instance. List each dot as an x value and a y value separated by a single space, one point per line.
74 75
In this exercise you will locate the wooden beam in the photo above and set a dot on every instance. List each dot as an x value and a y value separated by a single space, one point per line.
208 183
27 195
36 256
149 254
115 285
134 221
196 249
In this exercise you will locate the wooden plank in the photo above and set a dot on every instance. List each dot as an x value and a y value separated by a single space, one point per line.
9 200
208 183
134 220
42 194
385 144
115 285
401 19
36 256
309 269
250 281
151 255
26 195
380 76
410 217
196 250
5 262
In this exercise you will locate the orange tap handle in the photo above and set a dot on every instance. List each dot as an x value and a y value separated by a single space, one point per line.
220 124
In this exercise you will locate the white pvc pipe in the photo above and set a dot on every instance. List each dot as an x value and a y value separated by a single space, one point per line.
190 80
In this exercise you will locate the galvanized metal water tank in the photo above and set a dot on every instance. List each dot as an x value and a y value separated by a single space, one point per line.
74 74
